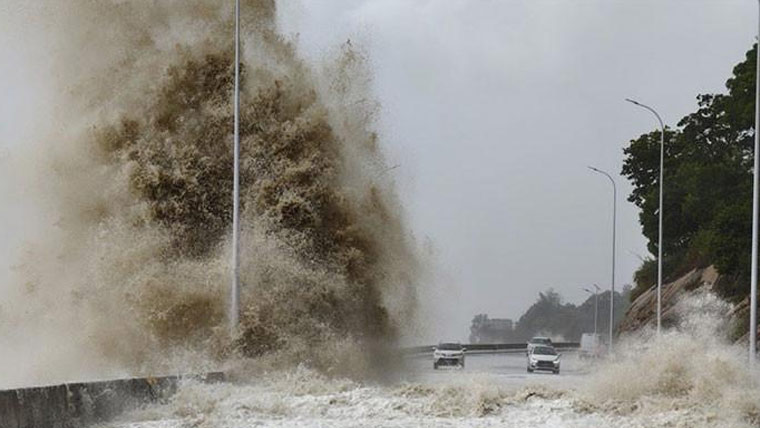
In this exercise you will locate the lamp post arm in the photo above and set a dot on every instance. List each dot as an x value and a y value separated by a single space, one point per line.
657 115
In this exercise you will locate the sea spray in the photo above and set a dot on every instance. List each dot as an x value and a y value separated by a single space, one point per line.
132 277
690 377
692 366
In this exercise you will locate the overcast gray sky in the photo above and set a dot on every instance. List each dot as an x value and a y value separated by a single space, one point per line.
494 109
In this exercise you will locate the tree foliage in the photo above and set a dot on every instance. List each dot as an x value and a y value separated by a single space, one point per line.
707 184
549 315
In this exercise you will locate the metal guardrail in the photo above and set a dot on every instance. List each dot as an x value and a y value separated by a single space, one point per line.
488 347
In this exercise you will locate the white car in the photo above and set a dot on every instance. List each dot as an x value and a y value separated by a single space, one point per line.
538 341
448 354
543 358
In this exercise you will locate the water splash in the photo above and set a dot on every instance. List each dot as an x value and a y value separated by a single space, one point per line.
690 377
692 366
132 276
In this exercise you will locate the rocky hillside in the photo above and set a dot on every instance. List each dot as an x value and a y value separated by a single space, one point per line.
642 313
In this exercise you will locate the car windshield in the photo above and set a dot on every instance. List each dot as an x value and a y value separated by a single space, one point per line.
541 341
544 350
450 347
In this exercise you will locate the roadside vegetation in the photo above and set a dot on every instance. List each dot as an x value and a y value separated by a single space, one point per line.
550 315
708 187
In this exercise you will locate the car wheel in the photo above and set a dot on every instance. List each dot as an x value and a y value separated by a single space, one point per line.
530 370
435 366
556 371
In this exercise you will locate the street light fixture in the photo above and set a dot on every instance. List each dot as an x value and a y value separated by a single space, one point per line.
659 239
235 288
596 304
614 219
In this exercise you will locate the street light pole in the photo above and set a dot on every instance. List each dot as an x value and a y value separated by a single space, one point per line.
614 220
596 304
235 289
659 239
756 185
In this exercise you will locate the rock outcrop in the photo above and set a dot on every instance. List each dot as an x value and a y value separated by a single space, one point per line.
642 311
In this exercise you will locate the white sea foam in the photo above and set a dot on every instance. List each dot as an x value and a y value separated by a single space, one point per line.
689 377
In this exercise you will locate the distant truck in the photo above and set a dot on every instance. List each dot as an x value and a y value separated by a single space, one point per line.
591 346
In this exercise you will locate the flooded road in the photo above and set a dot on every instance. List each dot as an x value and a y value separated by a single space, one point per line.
507 369
493 391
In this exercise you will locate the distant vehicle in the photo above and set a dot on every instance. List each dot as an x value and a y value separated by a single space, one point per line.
448 354
591 346
538 341
543 358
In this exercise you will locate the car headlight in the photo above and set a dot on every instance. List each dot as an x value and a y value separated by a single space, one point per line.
556 362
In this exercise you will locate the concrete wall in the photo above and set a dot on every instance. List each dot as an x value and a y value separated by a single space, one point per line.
75 404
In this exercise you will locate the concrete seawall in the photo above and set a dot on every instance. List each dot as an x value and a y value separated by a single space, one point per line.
74 405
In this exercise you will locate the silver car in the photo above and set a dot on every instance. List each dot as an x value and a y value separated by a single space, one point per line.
448 354
543 358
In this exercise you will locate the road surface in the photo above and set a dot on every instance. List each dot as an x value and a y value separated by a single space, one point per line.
506 369
494 390
658 386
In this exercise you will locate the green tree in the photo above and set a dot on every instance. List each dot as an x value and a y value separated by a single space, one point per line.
708 183
550 315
